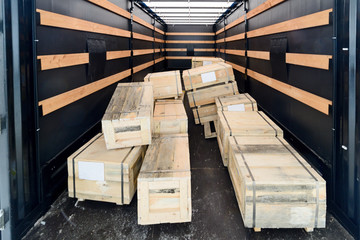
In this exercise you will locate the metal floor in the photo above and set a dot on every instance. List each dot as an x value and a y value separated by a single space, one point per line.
215 213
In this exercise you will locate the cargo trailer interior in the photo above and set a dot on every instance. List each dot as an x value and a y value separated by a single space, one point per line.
60 64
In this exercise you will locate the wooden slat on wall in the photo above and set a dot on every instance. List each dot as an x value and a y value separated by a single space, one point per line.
159 60
259 54
143 66
110 55
176 49
54 103
237 67
190 34
142 52
309 60
61 21
142 37
190 41
313 20
112 8
204 49
62 60
235 37
184 57
312 100
235 52
159 40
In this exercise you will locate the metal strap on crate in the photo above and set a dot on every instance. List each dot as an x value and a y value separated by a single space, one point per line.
312 175
73 162
122 175
276 133
252 103
227 123
253 181
192 94
176 83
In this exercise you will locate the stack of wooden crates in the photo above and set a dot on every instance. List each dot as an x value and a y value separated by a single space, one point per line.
164 182
106 168
275 187
203 85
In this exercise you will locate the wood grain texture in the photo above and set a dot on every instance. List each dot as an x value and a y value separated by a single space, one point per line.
235 52
62 60
143 66
319 103
201 61
159 60
184 57
263 7
111 7
143 37
165 84
142 52
309 21
110 55
176 49
190 41
142 22
240 36
204 49
61 21
236 22
59 101
259 54
159 40
190 34
309 60
237 67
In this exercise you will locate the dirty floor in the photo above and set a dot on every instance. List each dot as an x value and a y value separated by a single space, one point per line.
215 213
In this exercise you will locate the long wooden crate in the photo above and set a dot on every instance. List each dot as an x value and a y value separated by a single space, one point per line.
164 182
127 121
203 61
208 75
206 113
96 173
243 124
207 95
236 103
275 187
165 84
170 117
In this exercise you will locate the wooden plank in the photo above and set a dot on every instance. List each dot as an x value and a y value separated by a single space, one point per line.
309 21
236 103
236 37
143 52
142 37
164 185
159 60
111 7
207 131
62 60
207 75
202 61
182 57
170 117
221 40
259 54
143 66
236 22
207 95
61 21
158 40
143 22
275 187
190 41
204 49
159 31
235 52
59 101
176 49
165 84
312 100
263 7
127 120
249 123
309 60
190 34
116 183
237 67
220 31
110 55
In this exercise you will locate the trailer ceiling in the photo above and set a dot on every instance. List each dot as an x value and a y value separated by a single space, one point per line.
189 12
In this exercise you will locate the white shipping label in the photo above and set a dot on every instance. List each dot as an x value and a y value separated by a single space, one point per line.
91 171
208 77
236 108
207 63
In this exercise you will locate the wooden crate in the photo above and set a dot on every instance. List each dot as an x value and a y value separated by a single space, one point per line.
170 117
275 187
243 124
96 173
236 103
206 113
127 121
203 61
208 75
207 95
165 84
164 182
